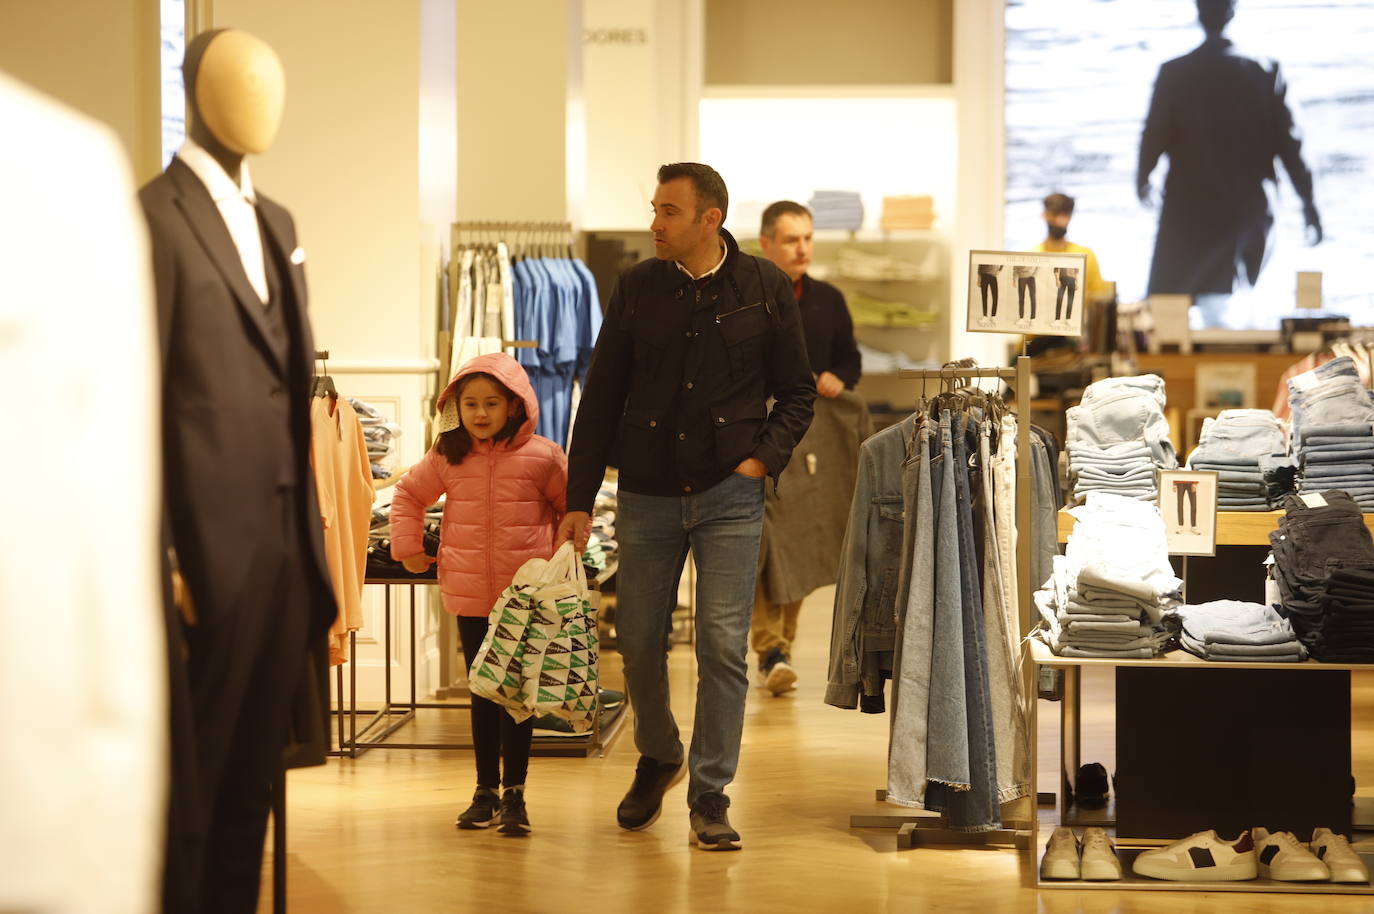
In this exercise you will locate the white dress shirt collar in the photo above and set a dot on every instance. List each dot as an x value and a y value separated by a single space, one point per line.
213 175
724 252
237 207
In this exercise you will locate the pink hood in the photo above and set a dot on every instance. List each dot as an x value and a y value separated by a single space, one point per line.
510 373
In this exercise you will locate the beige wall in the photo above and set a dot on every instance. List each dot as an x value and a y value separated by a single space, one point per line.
346 163
823 42
100 57
514 68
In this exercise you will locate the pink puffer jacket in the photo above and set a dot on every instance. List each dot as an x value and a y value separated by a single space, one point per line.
504 501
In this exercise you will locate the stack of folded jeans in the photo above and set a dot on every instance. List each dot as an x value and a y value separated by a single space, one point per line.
1112 593
1324 568
1232 631
1118 438
1333 430
1232 446
1280 477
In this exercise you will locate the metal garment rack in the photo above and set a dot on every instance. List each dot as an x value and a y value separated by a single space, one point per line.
379 725
930 828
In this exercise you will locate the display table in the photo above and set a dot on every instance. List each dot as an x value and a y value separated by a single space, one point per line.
1203 744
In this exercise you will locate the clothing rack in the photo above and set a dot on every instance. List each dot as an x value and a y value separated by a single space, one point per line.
929 828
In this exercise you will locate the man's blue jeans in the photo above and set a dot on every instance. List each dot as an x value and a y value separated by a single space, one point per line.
722 526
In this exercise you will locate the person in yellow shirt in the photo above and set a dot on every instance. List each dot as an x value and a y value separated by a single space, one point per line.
1058 212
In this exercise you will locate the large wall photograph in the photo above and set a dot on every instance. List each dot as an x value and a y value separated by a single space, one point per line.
1259 128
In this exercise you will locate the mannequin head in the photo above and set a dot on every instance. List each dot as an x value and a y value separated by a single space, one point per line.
235 91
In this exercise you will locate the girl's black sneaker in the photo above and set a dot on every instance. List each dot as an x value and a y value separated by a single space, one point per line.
514 820
483 811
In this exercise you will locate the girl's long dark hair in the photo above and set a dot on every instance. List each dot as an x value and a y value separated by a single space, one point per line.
455 444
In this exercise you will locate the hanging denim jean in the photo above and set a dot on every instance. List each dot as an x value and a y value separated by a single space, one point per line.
974 809
907 740
1003 641
947 744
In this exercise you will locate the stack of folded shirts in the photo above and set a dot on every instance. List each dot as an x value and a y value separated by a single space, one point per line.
868 311
1233 631
908 213
1118 438
378 433
1113 591
1324 568
1333 430
837 209
1232 445
856 263
877 361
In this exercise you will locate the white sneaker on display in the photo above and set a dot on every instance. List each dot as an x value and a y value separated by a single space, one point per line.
1340 858
1281 857
1061 856
1098 861
1202 857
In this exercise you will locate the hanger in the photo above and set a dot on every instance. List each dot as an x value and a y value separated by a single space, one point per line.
324 384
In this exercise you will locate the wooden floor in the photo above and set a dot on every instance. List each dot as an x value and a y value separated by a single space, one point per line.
376 834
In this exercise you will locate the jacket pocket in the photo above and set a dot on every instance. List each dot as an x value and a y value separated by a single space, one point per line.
737 427
745 333
643 443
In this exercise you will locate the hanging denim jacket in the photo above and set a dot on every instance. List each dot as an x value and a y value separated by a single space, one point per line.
863 631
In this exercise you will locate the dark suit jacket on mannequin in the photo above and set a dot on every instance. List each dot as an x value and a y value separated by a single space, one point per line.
240 498
1222 118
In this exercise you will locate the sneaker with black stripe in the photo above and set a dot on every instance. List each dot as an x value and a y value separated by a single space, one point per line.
1281 857
1202 857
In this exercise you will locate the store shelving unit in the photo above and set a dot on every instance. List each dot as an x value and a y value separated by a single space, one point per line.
1234 528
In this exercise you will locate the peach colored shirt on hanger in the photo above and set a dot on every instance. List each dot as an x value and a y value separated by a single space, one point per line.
343 479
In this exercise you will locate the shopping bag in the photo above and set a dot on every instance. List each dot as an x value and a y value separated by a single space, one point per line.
541 650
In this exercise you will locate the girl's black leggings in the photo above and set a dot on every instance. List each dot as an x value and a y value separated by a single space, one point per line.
497 738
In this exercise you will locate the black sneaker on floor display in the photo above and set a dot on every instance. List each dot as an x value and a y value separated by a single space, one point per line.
483 811
776 672
710 826
546 725
515 821
1090 786
644 801
610 698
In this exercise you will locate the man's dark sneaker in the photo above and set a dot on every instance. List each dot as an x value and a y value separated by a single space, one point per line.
514 820
777 673
483 811
711 829
1090 787
644 801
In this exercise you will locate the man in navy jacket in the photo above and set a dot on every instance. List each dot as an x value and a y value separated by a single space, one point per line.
695 343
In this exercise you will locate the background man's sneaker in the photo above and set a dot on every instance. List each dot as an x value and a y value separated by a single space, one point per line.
777 673
515 820
485 810
1202 857
1340 858
1098 857
711 829
1061 856
644 801
1281 857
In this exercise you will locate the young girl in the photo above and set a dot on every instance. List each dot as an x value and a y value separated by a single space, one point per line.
506 489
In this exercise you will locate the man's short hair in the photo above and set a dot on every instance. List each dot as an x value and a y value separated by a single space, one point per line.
1059 203
781 208
707 183
1215 14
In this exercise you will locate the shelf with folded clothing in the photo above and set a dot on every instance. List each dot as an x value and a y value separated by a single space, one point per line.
387 482
1181 659
1234 528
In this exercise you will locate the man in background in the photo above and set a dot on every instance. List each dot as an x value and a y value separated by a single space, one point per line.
795 527
1058 213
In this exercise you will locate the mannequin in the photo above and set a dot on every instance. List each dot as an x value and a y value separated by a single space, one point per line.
242 514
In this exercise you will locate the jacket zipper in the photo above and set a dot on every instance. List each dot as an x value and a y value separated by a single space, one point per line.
491 508
757 304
